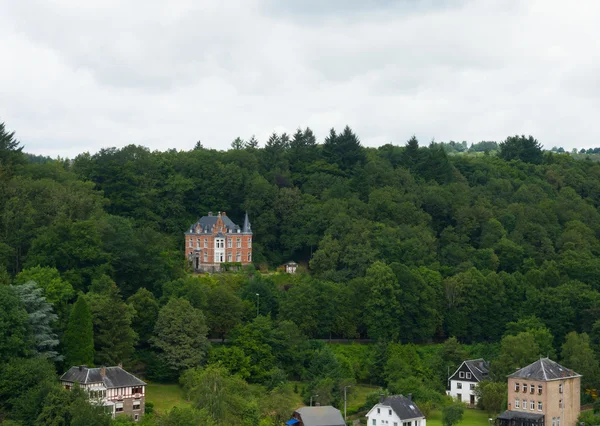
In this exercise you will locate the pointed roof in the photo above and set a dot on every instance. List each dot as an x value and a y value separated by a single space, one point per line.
404 407
544 369
247 227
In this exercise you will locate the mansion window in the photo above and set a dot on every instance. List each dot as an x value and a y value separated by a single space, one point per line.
516 387
468 375
461 374
119 407
524 387
539 389
560 387
532 405
517 403
229 256
250 243
137 389
472 386
228 242
390 412
375 422
540 406
249 257
532 388
191 243
68 387
219 243
406 423
205 256
395 423
459 385
218 257
238 257
136 405
379 411
238 242
524 404
206 243
560 403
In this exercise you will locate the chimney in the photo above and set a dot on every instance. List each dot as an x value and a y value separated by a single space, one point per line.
223 214
410 396
210 213
81 368
103 371
120 365
381 398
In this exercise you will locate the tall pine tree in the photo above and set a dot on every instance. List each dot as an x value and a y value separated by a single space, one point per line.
114 339
79 337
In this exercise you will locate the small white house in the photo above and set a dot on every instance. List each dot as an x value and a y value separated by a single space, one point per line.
395 410
462 383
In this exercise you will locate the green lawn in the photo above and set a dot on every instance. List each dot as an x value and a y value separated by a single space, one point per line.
471 417
165 397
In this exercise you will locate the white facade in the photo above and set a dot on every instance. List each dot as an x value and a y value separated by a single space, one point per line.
383 415
463 391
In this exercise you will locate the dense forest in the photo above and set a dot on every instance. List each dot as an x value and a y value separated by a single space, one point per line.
433 257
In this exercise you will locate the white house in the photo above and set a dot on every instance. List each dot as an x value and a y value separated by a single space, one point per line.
116 389
462 383
395 410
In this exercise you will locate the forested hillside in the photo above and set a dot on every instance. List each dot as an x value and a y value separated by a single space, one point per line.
400 244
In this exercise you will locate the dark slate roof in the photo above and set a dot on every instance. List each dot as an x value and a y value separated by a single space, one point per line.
207 222
544 369
321 416
403 407
479 368
115 377
512 414
247 227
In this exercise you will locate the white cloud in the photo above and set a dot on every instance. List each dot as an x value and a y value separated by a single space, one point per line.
79 76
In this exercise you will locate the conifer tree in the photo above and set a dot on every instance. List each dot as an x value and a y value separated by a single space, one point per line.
114 339
79 337
41 316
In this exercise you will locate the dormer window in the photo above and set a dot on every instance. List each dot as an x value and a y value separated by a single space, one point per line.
390 412
461 374
468 375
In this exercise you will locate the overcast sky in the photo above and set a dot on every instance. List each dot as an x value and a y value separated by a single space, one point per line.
78 76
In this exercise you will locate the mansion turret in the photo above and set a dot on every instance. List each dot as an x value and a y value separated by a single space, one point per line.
214 240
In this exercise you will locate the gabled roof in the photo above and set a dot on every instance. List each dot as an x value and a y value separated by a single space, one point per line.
321 416
114 377
478 367
403 407
544 369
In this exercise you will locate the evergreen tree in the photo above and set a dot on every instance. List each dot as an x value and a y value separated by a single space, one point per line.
114 339
41 317
526 149
14 328
79 336
344 149
146 313
10 151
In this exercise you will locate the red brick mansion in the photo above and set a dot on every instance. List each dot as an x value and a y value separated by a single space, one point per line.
214 240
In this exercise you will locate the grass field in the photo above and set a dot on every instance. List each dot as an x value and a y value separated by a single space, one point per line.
471 417
165 397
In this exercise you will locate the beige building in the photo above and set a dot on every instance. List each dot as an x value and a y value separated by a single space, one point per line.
542 394
112 387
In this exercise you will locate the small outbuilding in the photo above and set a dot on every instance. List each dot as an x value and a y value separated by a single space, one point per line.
290 267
